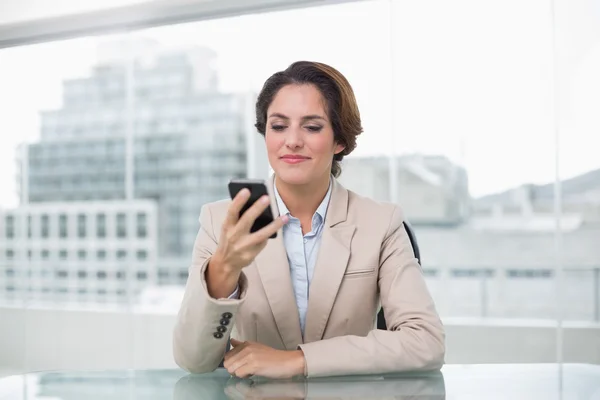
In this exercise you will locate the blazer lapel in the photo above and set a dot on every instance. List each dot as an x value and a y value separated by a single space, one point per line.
334 253
274 271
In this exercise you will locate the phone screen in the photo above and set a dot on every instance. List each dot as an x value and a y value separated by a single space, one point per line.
257 190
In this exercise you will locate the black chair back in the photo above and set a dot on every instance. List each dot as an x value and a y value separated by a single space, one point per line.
413 241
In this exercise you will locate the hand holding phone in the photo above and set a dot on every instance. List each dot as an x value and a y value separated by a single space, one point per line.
247 227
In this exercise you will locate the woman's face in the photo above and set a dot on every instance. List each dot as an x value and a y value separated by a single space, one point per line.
299 136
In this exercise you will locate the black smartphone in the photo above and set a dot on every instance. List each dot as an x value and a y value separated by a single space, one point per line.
257 188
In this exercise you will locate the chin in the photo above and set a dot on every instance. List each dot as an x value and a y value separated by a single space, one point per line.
293 176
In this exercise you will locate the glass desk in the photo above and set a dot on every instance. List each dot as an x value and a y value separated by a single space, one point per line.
505 381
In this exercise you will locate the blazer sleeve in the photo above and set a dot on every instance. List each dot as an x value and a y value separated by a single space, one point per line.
415 339
197 347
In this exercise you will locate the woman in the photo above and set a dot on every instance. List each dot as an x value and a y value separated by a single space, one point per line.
296 313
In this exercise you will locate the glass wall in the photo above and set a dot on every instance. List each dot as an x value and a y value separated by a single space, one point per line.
112 144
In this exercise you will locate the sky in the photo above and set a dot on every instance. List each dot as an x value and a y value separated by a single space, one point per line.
480 82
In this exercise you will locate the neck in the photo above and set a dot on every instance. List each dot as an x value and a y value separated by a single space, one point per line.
303 200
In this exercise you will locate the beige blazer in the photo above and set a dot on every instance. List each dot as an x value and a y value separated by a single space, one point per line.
365 260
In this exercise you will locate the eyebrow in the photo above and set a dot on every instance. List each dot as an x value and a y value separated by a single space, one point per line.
306 117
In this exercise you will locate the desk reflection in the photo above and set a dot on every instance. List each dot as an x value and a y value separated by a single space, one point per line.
425 386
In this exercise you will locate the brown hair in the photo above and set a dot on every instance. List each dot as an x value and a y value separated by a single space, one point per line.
342 109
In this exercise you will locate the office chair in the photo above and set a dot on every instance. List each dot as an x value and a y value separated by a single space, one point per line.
380 317
413 241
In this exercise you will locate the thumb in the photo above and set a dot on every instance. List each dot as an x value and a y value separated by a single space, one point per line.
235 343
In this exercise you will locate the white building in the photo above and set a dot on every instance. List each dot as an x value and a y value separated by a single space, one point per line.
79 252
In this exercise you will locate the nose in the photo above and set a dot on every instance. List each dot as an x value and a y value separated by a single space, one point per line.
293 138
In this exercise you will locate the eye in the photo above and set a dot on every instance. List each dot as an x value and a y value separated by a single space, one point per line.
278 128
314 128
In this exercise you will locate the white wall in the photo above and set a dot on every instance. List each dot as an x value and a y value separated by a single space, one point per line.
53 339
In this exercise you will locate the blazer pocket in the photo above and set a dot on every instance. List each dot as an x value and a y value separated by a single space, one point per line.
359 273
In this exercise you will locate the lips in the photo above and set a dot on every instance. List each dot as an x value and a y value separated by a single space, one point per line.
294 158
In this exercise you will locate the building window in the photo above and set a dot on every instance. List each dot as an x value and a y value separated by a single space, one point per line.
45 254
121 225
142 255
121 292
63 254
102 292
101 225
62 274
163 273
101 274
10 226
81 225
142 275
183 275
472 273
121 254
429 272
29 226
101 254
141 225
82 254
10 288
63 290
530 273
29 254
62 226
10 254
82 274
82 291
10 272
45 226
120 275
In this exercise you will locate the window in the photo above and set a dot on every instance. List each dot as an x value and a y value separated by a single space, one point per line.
183 275
10 272
121 275
82 274
142 275
529 273
45 229
63 226
9 220
82 254
121 254
82 291
472 273
63 254
29 226
101 254
101 274
141 225
121 225
62 274
81 225
101 225
10 254
45 254
142 255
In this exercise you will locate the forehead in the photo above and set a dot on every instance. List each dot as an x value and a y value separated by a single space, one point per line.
298 101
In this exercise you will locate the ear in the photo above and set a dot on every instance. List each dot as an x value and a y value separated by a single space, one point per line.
339 148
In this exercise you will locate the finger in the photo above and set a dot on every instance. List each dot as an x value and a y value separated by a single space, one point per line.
245 371
265 233
235 342
248 218
231 353
236 361
237 356
233 212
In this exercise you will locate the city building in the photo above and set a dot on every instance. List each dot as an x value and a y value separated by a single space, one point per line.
82 252
431 189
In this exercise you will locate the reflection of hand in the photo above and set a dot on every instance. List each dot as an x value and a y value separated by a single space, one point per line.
266 390
250 358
